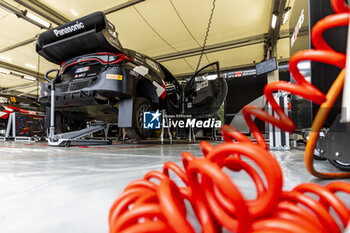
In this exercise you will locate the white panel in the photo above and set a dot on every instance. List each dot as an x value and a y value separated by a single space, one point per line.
14 29
283 48
167 24
178 67
228 58
82 7
27 54
231 20
30 90
238 56
10 80
135 34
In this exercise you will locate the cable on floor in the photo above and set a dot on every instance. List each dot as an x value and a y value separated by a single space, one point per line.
148 205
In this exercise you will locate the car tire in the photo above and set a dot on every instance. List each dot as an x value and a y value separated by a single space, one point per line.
141 105
340 165
64 124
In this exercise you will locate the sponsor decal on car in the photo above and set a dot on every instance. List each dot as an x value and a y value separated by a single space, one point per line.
61 32
160 89
80 75
142 70
92 74
82 69
114 76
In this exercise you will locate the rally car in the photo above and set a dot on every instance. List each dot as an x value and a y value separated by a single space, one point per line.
101 80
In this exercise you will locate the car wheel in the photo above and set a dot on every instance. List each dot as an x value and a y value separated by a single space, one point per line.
340 165
64 124
141 105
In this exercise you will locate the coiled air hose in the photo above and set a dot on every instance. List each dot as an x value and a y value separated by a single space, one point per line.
150 206
159 206
322 53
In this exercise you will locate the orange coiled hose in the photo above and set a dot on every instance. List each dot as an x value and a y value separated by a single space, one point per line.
322 53
157 204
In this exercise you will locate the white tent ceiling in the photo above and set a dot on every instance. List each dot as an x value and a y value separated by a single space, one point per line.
153 27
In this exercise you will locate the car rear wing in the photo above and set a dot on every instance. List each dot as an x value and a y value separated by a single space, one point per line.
90 34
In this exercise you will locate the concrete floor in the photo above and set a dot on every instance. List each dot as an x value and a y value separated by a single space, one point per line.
47 189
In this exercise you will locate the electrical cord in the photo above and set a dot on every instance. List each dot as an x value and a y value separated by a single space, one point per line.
206 36
157 204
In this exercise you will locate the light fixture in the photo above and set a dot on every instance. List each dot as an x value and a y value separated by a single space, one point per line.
29 78
25 15
5 72
30 66
273 21
38 20
286 14
74 12
5 59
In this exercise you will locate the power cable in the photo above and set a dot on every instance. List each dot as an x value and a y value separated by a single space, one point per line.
155 31
206 35
187 29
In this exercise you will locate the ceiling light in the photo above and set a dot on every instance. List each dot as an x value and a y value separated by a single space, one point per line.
273 21
31 66
29 78
5 72
74 12
38 20
5 59
286 14
25 15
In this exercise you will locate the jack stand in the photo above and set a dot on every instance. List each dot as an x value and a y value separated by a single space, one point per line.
75 138
124 135
162 133
191 134
70 138
279 140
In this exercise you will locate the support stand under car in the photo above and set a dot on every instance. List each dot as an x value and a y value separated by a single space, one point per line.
73 138
279 140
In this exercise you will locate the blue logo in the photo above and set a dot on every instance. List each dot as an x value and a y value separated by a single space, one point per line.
151 120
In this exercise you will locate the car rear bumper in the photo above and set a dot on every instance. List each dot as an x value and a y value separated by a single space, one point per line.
114 82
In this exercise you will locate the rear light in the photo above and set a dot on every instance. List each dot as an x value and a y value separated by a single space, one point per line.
113 58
